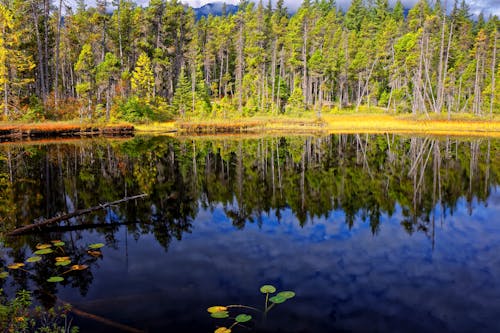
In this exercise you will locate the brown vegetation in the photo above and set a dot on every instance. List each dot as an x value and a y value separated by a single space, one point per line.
58 129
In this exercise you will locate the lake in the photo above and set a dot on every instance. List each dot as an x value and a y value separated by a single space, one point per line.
373 233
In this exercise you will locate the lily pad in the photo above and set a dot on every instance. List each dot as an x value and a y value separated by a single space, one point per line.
4 275
216 308
94 253
44 251
16 265
62 259
96 246
223 330
55 279
220 314
60 243
43 246
267 289
63 263
79 267
34 259
243 318
286 294
277 299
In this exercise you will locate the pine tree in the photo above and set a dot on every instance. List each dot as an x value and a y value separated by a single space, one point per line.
296 102
142 78
13 62
107 74
85 68
182 96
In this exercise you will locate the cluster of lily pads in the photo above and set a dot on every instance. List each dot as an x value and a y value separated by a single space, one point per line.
54 247
222 312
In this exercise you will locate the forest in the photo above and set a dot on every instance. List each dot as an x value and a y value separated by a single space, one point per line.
121 61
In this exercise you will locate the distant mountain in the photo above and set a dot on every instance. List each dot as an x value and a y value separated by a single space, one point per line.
214 9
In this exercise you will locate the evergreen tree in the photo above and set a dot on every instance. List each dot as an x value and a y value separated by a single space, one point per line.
142 80
107 74
85 67
295 102
182 98
13 62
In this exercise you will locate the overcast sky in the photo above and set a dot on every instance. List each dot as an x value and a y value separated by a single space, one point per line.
486 6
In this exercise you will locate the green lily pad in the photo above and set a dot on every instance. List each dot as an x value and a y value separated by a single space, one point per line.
44 251
34 259
277 299
286 294
4 275
61 243
63 263
267 289
243 318
55 279
96 246
220 314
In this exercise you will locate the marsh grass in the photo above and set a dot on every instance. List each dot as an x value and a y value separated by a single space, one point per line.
378 123
367 120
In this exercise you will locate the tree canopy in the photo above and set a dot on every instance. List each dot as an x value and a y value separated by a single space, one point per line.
258 60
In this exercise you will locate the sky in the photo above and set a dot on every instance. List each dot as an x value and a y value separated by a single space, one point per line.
486 6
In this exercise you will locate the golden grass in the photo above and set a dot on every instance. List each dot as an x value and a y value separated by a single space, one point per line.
163 127
387 123
367 122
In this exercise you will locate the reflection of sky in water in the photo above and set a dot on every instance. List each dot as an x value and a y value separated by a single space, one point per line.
345 280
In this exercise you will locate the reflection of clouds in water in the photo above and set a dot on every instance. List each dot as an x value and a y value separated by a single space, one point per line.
344 279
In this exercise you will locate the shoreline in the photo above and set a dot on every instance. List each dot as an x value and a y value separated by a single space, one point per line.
328 124
51 130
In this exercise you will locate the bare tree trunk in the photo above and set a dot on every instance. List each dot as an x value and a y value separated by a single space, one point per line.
273 75
441 68
120 47
305 85
493 74
476 105
46 6
239 64
56 70
43 91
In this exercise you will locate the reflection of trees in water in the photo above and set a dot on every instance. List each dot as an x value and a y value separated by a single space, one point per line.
33 276
365 176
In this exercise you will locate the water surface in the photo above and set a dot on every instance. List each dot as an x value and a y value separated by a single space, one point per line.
374 233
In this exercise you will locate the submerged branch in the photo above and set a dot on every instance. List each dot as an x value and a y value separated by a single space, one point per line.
71 215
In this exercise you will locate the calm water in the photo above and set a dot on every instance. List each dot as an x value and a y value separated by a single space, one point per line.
374 233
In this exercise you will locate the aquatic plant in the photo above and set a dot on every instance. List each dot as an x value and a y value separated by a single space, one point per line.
223 311
56 249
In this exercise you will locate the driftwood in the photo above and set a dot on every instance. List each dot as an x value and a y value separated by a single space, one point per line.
71 215
105 321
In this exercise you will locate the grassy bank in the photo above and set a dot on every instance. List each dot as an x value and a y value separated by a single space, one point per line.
375 123
366 122
333 123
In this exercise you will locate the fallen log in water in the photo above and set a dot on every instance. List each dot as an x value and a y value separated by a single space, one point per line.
71 215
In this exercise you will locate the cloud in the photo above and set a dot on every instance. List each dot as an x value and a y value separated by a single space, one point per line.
345 279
